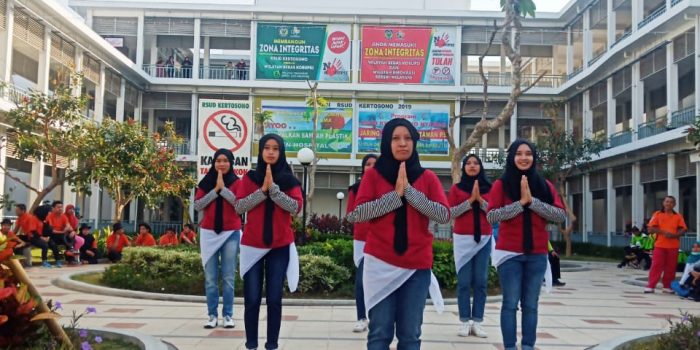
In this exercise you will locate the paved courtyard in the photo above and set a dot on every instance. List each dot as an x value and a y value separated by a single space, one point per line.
594 306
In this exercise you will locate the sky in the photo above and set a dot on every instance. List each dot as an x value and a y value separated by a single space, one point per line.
542 5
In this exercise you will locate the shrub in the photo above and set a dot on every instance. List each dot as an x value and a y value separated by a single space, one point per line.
590 249
444 264
328 223
339 250
683 335
319 274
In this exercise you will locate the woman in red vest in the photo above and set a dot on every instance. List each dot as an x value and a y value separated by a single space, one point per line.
472 244
220 234
270 194
523 202
399 198
360 230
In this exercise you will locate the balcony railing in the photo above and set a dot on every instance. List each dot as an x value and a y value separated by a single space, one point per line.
504 79
625 34
652 128
181 149
596 56
575 72
13 93
489 155
683 117
675 2
205 72
620 138
658 12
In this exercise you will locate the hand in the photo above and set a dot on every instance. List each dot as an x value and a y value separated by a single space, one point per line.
268 179
401 180
476 195
554 254
219 182
525 196
45 239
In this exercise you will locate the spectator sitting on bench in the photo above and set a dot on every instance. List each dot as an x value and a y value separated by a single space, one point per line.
88 252
633 252
690 274
169 238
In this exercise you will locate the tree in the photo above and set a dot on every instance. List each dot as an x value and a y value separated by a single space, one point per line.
46 127
560 154
511 27
260 118
128 162
315 103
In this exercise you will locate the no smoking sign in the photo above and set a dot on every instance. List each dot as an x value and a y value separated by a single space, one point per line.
225 129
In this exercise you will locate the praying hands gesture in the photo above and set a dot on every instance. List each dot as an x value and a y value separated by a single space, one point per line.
219 182
525 196
476 195
268 179
401 180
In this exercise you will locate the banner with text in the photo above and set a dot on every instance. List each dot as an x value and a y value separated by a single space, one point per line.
411 55
431 120
292 121
303 52
224 124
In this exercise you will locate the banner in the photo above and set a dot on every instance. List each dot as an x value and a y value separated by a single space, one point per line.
303 52
224 124
292 121
410 55
431 120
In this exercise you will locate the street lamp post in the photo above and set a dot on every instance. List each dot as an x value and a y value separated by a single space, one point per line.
340 196
305 156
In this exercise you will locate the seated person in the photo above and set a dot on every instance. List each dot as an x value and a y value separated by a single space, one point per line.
73 243
116 243
145 237
88 252
169 238
22 246
682 259
633 252
647 249
188 235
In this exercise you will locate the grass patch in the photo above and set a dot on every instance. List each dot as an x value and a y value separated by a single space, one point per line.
90 278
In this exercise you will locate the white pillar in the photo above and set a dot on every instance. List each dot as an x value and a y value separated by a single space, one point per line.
697 71
637 98
587 115
514 124
194 124
587 207
611 109
611 23
672 185
78 58
121 100
138 112
569 52
207 56
671 82
568 125
697 195
356 64
88 18
612 209
154 56
140 44
151 120
36 179
587 38
637 196
100 95
253 57
45 62
133 211
95 204
6 42
70 197
197 45
458 55
637 13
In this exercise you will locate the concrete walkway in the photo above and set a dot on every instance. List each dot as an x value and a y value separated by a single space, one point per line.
594 306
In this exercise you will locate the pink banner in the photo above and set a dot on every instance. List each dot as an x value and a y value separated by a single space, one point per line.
394 54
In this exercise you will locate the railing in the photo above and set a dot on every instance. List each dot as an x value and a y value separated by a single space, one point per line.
161 71
489 155
658 12
621 138
13 93
504 79
157 227
625 34
205 72
182 149
575 72
675 2
683 117
596 56
652 128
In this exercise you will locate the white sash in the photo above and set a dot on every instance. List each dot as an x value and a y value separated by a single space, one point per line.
465 247
358 251
210 242
498 257
251 255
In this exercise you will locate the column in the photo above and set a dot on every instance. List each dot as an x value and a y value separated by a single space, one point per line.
697 193
207 56
253 57
45 62
697 69
587 207
672 184
194 123
611 23
88 17
151 120
458 54
637 14
569 52
587 114
612 122
197 45
138 113
140 43
154 56
95 204
77 90
502 138
568 125
133 212
587 38
3 164
356 64
514 124
100 95
612 209
6 42
671 83
637 99
637 196
36 180
70 197
121 100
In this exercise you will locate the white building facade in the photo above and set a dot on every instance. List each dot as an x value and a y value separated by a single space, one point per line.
626 70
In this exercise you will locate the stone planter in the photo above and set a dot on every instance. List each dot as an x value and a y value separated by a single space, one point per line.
143 341
627 342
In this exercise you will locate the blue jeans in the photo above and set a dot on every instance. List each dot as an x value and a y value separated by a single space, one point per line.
402 309
474 275
224 259
274 267
521 280
360 293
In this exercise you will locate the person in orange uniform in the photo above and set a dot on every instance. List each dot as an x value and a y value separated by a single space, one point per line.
169 238
60 225
116 243
145 237
29 228
669 226
188 235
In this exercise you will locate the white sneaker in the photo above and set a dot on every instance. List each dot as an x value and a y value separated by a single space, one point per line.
478 331
464 329
668 291
228 322
360 326
212 322
648 290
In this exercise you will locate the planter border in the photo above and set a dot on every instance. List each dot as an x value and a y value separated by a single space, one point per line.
617 343
145 341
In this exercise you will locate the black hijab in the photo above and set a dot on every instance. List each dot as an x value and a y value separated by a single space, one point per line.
388 168
538 187
282 175
466 184
356 186
209 182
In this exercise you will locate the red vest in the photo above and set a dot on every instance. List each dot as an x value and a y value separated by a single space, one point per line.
464 224
231 219
282 234
380 239
510 232
359 229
